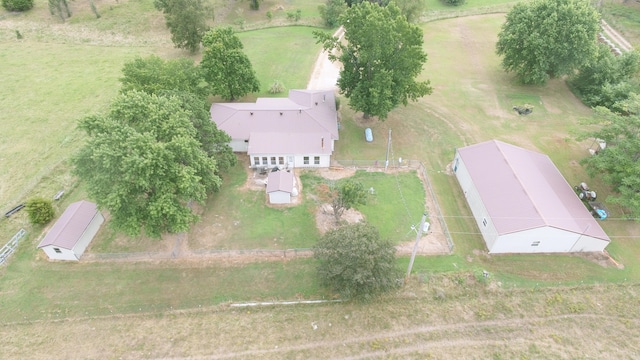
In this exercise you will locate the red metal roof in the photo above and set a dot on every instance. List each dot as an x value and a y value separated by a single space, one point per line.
280 181
522 189
66 232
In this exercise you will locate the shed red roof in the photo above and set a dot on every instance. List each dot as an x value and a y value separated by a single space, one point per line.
66 232
280 181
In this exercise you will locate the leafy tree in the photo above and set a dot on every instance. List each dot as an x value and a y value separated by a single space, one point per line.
454 2
153 74
17 5
355 262
144 163
40 210
381 59
186 20
226 67
544 39
412 9
60 8
607 78
254 4
619 162
331 11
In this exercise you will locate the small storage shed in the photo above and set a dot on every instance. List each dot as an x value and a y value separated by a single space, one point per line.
72 233
280 187
522 203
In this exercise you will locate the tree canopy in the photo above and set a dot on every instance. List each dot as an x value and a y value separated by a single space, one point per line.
344 195
226 67
544 39
186 20
619 162
153 75
145 162
606 78
381 60
355 262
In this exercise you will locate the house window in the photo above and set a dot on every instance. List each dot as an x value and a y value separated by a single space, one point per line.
316 160
535 243
57 250
484 222
306 160
273 160
256 160
264 161
281 160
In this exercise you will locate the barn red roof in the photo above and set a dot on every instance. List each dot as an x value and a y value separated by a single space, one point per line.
522 189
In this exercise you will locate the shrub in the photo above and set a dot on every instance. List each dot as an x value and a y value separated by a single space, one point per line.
17 5
40 210
454 2
276 88
269 15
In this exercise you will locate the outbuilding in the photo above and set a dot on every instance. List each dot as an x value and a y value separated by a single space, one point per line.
72 233
522 203
280 187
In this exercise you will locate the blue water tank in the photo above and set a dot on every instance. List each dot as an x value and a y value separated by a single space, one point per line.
368 134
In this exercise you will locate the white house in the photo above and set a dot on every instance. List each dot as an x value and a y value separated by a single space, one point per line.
72 233
521 202
298 131
280 187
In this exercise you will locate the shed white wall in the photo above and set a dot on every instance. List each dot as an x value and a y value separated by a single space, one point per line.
480 213
279 197
88 234
546 240
65 254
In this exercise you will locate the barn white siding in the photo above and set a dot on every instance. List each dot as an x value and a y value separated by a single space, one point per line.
471 194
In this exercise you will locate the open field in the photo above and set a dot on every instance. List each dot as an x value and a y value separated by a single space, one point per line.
438 317
538 307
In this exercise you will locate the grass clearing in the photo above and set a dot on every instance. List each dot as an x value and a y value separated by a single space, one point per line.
283 53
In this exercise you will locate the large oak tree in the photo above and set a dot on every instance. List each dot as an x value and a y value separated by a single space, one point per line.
226 67
145 161
355 262
545 39
381 59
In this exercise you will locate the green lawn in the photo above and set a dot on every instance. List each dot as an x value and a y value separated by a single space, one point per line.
285 53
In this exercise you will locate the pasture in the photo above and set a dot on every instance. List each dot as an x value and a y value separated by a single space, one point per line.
538 306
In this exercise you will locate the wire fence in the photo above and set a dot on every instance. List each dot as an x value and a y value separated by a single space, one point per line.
379 165
272 254
265 254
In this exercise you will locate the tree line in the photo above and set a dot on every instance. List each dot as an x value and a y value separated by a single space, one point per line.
545 39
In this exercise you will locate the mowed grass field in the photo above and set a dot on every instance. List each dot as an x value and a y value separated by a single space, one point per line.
529 307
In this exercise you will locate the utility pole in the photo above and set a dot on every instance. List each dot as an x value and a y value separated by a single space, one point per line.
415 246
386 163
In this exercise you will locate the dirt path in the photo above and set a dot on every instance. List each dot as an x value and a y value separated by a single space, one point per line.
325 73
